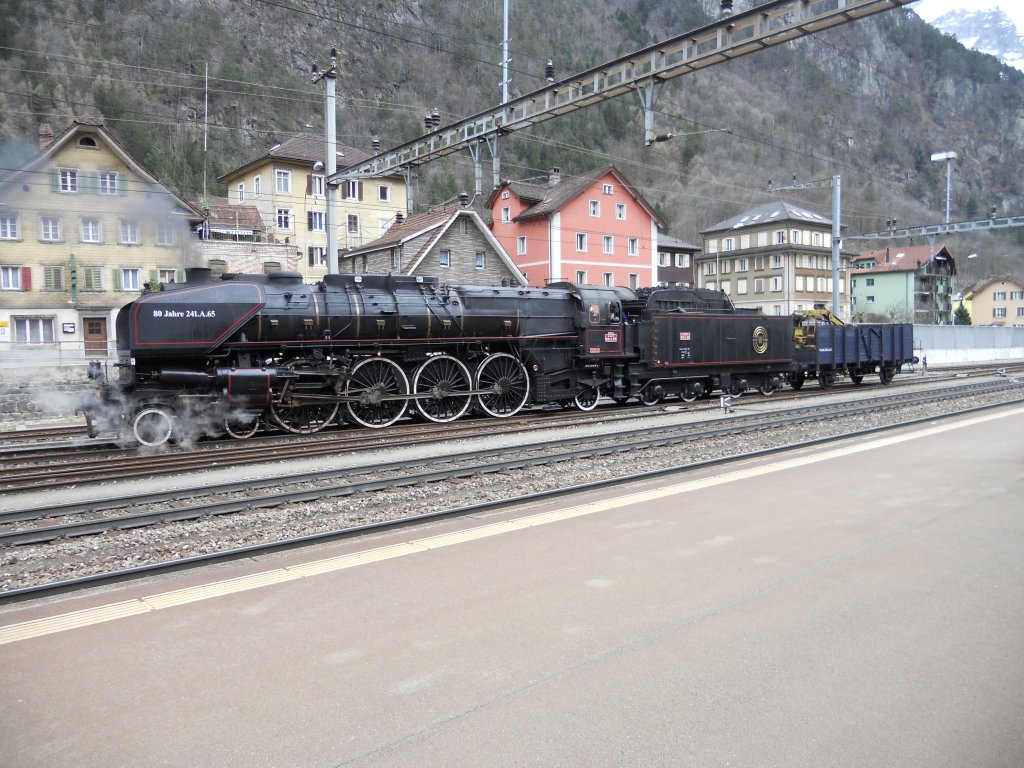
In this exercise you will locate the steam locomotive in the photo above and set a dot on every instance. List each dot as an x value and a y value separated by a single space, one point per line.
231 354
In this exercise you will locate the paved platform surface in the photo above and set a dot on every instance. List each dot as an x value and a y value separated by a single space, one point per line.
861 605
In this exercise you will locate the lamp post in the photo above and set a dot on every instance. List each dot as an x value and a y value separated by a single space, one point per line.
949 157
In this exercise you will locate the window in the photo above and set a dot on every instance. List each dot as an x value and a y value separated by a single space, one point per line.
315 221
10 278
108 183
581 242
741 286
504 195
816 239
633 246
352 190
780 236
33 330
758 263
164 233
53 277
595 208
607 189
741 264
998 311
463 225
317 255
8 227
796 236
445 258
257 186
506 215
396 258
999 296
709 268
799 282
480 262
664 259
131 279
581 277
776 261
68 180
129 233
352 224
284 218
870 299
384 193
727 244
759 285
607 244
869 281
241 191
90 279
49 229
283 182
682 259
167 276
822 286
316 185
90 230
634 281
726 266
521 245
383 225
1020 311
620 211
607 280
1016 295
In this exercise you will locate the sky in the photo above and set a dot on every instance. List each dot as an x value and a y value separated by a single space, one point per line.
932 9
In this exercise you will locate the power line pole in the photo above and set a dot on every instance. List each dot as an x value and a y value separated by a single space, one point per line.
328 76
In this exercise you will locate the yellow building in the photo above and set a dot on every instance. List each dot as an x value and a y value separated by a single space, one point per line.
287 185
83 228
996 301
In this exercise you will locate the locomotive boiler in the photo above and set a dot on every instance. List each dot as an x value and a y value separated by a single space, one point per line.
230 354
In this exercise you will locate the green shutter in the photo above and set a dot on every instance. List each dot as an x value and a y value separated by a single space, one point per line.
55 179
122 184
115 275
180 276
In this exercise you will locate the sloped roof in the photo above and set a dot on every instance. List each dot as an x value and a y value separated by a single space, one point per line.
222 216
553 197
981 285
666 243
305 149
767 213
904 259
92 125
435 223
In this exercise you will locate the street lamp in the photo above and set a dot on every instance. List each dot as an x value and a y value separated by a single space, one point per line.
949 157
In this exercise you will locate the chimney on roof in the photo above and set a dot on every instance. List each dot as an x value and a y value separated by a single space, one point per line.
463 199
45 135
554 176
399 217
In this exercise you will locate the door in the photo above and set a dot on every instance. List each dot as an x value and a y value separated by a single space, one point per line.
95 332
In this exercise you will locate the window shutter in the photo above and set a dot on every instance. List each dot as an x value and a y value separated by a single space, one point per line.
115 274
360 189
122 185
55 180
88 182
26 278
309 220
154 275
179 276
309 251
309 184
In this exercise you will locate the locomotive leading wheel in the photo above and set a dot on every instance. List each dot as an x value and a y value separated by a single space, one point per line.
446 382
153 425
586 399
379 390
506 382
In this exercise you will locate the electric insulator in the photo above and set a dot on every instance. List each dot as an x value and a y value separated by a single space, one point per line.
549 71
376 143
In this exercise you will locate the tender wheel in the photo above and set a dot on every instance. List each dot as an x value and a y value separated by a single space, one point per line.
827 379
380 389
886 373
768 388
242 425
447 382
691 392
652 395
304 419
856 377
506 382
153 425
586 399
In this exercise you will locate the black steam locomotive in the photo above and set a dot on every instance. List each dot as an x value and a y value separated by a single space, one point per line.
233 353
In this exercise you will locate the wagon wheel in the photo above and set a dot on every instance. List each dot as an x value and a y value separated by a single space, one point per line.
153 425
586 399
857 376
797 380
242 425
379 388
506 382
886 374
770 387
447 382
691 393
827 379
303 419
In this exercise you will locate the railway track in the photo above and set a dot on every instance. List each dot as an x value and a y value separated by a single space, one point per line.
46 524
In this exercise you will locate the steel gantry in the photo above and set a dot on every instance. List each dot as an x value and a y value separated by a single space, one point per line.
768 25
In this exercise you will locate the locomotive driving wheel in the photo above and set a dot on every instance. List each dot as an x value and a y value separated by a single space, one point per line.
301 419
377 390
507 384
446 382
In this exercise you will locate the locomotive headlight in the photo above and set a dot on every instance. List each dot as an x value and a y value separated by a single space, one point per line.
535 367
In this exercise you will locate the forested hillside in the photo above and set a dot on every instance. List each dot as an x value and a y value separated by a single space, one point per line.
870 100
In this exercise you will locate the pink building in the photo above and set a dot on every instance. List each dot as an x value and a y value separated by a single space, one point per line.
593 229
